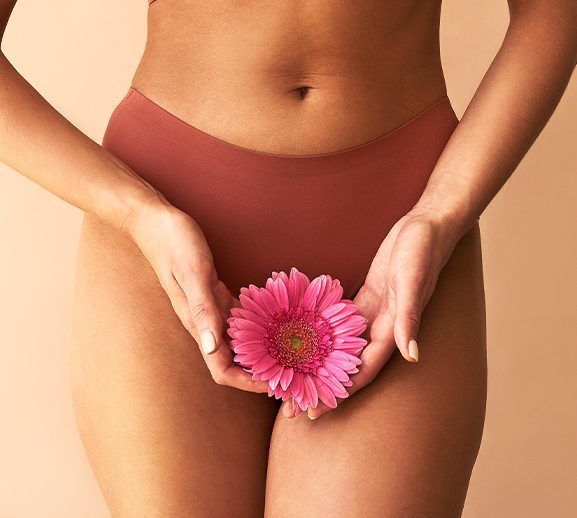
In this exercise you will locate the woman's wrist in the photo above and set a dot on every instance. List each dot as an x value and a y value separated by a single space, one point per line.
455 222
118 206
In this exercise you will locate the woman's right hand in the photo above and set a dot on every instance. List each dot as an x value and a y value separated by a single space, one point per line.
178 252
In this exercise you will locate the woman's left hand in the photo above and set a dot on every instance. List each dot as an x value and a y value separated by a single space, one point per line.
398 286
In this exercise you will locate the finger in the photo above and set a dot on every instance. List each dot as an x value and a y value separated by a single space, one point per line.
286 409
407 321
202 318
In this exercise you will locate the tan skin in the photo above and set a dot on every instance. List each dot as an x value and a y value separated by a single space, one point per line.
169 437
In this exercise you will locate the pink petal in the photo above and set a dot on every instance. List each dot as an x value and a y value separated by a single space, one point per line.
355 341
333 309
333 293
344 312
280 275
274 379
248 335
247 347
248 314
303 404
297 285
259 296
249 359
280 294
334 385
286 377
297 385
270 303
242 323
296 408
353 325
252 305
279 392
306 396
343 360
264 364
312 292
312 390
336 371
326 395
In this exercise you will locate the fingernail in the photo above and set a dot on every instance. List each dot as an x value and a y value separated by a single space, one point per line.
311 417
207 341
413 349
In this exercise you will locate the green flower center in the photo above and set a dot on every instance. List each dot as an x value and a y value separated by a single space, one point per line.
296 342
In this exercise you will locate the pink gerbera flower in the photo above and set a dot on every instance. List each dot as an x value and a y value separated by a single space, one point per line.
300 336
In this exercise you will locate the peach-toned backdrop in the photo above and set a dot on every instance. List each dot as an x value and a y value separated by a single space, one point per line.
527 465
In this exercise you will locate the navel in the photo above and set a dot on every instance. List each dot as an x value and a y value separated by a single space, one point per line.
303 91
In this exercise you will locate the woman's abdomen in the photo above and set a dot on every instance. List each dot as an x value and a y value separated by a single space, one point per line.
292 77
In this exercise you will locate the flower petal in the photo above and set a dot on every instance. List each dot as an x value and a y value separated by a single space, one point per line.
242 323
280 293
326 395
264 364
251 305
248 335
312 391
286 377
342 358
332 293
275 376
312 292
297 286
335 385
333 309
354 325
269 302
336 371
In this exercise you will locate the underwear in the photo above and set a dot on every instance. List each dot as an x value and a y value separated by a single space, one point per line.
261 212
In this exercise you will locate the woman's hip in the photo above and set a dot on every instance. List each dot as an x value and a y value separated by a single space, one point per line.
263 212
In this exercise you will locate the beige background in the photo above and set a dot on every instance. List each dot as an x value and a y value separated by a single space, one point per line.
527 465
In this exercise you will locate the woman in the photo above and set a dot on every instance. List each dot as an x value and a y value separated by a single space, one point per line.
255 137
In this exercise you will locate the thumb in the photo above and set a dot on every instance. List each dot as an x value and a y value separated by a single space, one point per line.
406 325
205 317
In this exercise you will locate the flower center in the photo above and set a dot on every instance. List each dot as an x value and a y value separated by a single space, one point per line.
299 339
296 342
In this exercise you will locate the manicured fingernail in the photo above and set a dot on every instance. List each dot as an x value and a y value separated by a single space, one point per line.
413 349
207 342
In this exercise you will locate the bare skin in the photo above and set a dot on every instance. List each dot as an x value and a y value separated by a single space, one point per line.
163 439
361 94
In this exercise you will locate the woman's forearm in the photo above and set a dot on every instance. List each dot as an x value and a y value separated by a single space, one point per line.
512 104
37 141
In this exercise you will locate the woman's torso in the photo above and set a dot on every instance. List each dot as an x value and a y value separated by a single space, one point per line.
236 69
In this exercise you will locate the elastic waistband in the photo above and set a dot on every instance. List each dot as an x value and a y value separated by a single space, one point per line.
436 121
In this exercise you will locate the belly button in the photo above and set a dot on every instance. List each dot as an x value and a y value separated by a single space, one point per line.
303 91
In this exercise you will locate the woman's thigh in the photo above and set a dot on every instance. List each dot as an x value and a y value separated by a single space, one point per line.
405 445
162 438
